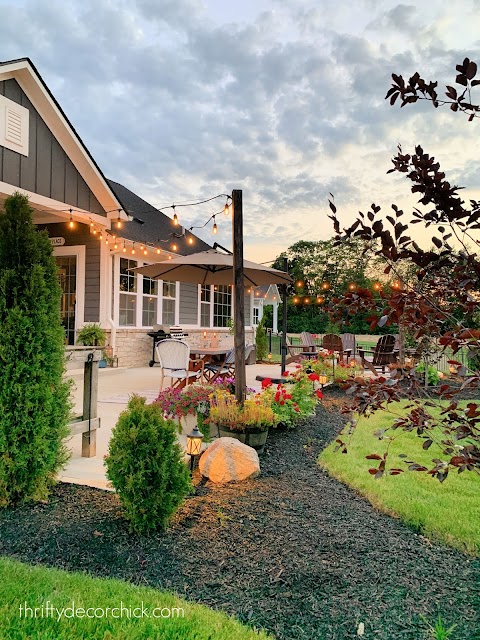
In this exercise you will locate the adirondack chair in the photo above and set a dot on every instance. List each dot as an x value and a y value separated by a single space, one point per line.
349 344
297 351
383 354
332 342
308 343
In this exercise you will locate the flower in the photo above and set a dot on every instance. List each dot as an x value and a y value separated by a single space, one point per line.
267 382
319 394
313 376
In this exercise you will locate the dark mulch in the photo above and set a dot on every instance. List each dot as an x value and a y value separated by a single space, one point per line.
294 552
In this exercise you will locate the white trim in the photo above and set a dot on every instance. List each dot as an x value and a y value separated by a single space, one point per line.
79 252
31 84
36 200
104 300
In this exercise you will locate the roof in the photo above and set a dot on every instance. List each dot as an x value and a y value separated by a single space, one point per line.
268 293
30 80
150 225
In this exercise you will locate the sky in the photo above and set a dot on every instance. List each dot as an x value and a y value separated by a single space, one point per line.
181 100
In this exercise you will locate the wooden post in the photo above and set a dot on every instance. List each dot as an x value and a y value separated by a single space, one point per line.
90 399
284 320
239 297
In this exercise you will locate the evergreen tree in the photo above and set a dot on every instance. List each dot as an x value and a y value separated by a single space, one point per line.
34 398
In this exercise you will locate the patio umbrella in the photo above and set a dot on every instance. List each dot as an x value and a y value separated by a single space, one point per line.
212 267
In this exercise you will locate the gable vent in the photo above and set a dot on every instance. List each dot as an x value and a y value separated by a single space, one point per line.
14 125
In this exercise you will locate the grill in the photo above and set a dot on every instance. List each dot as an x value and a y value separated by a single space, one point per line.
157 337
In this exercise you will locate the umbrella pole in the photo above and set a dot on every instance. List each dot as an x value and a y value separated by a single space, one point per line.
284 321
239 297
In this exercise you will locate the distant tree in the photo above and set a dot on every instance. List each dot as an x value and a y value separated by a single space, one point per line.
440 302
34 398
322 272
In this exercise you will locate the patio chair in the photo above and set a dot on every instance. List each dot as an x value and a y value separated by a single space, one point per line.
213 370
308 342
383 354
332 342
297 352
174 358
349 344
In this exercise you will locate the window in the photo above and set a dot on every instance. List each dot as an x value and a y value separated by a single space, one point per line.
128 293
222 305
150 298
205 305
168 302
256 316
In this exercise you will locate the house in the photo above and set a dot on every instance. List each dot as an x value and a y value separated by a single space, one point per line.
263 296
99 229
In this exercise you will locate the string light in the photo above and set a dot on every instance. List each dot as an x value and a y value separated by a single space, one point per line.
174 247
226 208
158 251
133 249
94 232
215 228
320 299
352 286
377 286
71 222
175 217
325 286
145 252
190 240
119 223
124 247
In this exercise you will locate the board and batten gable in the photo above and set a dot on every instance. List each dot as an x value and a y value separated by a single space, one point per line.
47 170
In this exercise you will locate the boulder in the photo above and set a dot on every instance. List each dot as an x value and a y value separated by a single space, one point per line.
228 460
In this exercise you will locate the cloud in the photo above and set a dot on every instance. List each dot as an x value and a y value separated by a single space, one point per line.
285 101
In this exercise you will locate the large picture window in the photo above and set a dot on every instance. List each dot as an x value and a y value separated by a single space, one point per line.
222 305
169 302
128 293
205 305
150 302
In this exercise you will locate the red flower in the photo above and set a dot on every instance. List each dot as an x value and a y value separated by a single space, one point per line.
282 402
287 396
277 396
313 377
319 394
266 383
298 366
285 373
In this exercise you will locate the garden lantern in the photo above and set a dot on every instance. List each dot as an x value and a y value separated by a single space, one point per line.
322 380
194 445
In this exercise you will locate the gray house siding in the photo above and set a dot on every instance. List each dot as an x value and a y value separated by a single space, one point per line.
81 236
188 303
47 170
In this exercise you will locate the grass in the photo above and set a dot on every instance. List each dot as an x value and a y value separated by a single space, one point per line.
448 511
20 584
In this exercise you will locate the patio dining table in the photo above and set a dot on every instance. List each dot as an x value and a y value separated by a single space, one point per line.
211 354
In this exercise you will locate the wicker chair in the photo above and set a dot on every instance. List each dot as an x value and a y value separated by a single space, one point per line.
174 358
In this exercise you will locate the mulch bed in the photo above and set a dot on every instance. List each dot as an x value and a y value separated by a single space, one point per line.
294 552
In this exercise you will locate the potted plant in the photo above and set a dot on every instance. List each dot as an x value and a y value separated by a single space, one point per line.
92 335
248 423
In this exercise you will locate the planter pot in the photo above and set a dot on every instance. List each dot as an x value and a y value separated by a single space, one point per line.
254 438
102 364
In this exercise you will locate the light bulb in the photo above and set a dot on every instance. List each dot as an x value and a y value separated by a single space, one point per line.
115 246
158 251
175 217
71 224
133 252
119 224
190 240
215 228
94 232
226 209
174 247
145 252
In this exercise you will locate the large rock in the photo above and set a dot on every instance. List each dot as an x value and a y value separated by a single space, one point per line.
228 460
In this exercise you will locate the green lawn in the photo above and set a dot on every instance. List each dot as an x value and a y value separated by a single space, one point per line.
448 511
36 586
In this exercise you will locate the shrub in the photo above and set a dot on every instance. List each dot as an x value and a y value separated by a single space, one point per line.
34 398
261 344
145 466
432 373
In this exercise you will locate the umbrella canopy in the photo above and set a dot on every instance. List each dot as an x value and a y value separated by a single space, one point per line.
212 267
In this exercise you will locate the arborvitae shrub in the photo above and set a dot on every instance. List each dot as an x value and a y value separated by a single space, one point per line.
34 398
261 343
145 465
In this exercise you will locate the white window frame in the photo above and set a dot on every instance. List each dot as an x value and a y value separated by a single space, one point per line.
139 295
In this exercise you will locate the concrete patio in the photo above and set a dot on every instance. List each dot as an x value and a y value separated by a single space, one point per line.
115 386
